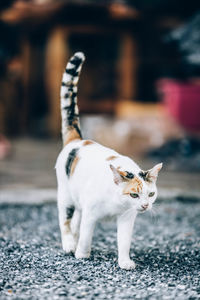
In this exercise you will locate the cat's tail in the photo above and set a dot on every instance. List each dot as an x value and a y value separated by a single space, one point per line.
69 109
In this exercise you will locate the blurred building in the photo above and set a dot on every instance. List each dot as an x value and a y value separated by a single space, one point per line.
125 46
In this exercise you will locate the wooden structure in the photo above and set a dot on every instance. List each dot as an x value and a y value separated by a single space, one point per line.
58 21
53 24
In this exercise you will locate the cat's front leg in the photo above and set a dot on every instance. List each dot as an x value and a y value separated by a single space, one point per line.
125 225
85 236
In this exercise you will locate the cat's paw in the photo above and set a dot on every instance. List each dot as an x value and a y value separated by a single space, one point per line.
127 264
79 254
69 244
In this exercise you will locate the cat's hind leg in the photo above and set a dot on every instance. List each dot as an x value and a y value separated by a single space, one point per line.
75 224
66 211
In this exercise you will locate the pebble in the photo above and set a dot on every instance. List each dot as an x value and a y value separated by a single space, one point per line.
181 287
33 265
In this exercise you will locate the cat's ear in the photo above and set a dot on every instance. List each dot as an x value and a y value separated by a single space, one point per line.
152 174
117 175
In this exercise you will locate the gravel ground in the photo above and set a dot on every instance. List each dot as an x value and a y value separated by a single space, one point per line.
165 248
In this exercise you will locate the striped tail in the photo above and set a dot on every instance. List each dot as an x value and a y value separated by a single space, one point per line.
69 109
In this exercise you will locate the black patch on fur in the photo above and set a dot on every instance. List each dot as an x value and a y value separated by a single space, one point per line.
72 118
67 96
76 61
72 72
143 175
70 85
71 115
72 155
70 96
69 212
66 107
129 175
78 130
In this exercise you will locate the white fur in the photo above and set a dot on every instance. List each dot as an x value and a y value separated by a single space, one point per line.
95 195
66 78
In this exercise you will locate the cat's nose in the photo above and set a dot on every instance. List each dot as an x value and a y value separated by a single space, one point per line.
145 206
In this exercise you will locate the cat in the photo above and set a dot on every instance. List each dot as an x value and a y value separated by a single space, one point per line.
95 182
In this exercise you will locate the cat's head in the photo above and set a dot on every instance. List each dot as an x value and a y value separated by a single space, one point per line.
138 190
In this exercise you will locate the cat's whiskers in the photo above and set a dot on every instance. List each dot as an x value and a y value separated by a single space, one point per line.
154 212
156 207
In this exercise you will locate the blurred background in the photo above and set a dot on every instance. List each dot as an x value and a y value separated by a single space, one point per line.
139 90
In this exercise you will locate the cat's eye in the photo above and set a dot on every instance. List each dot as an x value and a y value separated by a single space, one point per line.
134 195
151 194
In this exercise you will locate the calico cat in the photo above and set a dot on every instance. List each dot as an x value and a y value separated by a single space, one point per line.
95 182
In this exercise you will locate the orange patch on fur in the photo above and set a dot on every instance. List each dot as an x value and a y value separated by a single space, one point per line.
134 186
87 142
71 136
112 157
122 173
67 225
74 164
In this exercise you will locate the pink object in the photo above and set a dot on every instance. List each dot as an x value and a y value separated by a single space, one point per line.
182 101
5 147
